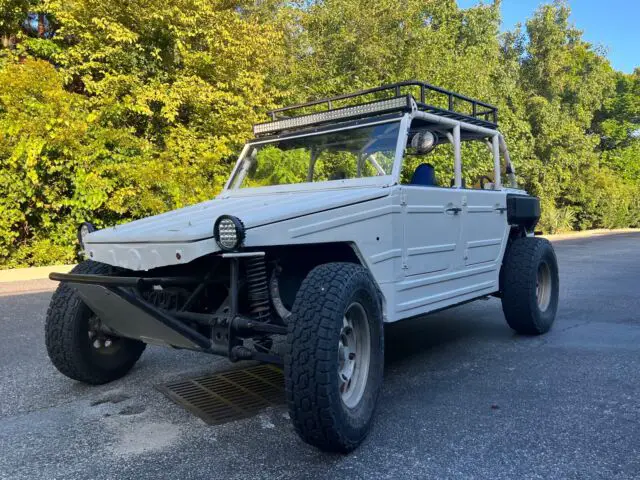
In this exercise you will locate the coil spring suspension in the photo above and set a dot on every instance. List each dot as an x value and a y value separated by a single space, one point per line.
258 288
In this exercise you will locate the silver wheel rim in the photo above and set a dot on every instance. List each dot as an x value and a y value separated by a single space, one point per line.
354 355
543 286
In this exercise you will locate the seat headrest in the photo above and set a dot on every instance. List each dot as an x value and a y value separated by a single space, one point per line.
425 175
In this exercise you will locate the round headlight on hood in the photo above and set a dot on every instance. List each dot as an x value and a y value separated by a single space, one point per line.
228 232
84 229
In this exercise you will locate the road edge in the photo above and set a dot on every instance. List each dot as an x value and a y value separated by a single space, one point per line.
589 233
31 273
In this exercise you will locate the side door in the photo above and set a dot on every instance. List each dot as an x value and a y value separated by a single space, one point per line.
432 229
432 248
484 227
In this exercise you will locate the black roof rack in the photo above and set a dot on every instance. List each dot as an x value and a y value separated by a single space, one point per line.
456 106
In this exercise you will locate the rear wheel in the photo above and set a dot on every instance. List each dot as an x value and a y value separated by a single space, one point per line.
77 344
530 285
335 358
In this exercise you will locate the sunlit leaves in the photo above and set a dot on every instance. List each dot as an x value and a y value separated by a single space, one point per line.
135 107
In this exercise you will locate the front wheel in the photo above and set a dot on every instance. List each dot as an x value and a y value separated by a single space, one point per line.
77 345
530 285
335 358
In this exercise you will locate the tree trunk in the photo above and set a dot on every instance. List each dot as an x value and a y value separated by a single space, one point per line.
42 29
8 41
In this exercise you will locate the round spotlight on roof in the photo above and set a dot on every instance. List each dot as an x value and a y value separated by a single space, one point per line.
424 142
228 232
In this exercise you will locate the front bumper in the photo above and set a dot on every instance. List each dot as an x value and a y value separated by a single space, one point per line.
147 256
121 308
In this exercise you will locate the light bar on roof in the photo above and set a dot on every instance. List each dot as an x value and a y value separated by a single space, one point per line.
381 106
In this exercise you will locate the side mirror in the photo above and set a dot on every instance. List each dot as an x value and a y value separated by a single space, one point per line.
424 142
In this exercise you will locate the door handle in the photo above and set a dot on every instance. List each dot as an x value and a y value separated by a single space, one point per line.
454 210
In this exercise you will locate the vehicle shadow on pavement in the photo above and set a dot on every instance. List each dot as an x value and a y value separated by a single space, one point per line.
423 335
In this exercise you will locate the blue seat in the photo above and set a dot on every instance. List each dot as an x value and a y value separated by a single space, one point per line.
425 175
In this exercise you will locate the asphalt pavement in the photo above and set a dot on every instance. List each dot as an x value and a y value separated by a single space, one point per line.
464 397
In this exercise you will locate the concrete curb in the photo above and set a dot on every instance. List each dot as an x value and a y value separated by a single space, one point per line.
588 233
31 273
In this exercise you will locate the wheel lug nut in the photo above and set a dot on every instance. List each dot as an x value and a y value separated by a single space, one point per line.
107 343
96 344
352 356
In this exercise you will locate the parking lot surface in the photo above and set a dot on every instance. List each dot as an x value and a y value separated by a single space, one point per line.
464 397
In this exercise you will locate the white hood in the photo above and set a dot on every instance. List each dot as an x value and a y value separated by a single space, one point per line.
194 223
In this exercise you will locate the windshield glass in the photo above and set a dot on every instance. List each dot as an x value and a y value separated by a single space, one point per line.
367 151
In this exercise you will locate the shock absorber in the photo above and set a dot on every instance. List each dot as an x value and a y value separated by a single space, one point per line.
258 288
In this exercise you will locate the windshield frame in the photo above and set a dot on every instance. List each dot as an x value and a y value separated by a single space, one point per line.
382 180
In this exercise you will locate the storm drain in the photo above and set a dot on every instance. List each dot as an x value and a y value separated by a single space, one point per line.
228 396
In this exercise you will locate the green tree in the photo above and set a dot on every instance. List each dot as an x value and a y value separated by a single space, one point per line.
133 108
157 99
55 159
12 14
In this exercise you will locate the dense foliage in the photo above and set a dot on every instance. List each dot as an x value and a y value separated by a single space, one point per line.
113 110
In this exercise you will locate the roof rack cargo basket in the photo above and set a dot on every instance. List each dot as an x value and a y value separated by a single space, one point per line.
379 100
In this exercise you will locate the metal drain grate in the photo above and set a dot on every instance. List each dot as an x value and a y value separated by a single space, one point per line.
228 396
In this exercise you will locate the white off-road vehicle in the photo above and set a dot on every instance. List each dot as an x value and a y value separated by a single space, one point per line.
314 243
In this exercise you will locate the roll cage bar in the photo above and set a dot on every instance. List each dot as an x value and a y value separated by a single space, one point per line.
479 121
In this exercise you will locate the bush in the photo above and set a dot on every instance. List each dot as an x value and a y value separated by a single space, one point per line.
610 201
556 220
44 150
135 108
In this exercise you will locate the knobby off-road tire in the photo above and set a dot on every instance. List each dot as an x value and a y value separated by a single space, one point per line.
335 356
68 341
530 286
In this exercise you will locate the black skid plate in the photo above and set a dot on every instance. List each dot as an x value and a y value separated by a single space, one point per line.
227 396
127 319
